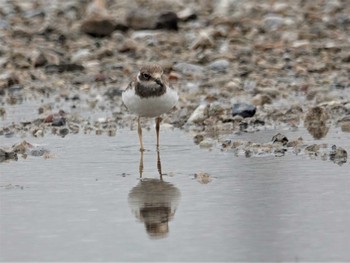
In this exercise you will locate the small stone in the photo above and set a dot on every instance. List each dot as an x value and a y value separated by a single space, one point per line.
261 99
187 14
279 152
226 144
198 138
38 152
2 112
203 178
129 45
272 22
280 138
113 92
38 132
295 143
58 121
98 27
204 40
206 143
219 65
112 132
243 109
167 21
345 126
316 122
80 55
74 128
199 114
188 69
7 79
22 147
338 155
63 132
38 59
313 148
234 85
7 155
50 69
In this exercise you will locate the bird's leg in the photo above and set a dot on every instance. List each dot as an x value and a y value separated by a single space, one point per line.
159 165
158 120
141 164
139 129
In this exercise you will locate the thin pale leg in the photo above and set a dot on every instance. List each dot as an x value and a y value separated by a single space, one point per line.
139 129
158 120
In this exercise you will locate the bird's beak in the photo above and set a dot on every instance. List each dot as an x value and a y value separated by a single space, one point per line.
159 82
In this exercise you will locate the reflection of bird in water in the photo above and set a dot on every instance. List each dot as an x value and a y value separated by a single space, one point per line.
154 203
316 122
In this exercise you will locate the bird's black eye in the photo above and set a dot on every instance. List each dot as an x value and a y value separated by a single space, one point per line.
145 76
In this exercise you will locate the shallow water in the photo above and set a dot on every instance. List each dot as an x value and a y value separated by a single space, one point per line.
86 203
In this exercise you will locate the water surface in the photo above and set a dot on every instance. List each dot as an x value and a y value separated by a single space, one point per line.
86 203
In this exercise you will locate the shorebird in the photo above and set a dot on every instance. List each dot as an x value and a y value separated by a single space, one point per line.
149 95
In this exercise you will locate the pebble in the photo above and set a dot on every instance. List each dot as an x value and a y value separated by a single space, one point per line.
316 122
219 65
98 22
261 99
81 55
188 69
98 27
198 138
187 14
199 114
243 109
203 40
273 22
38 152
6 155
345 126
167 20
280 138
58 121
313 148
50 69
207 143
203 178
63 132
338 155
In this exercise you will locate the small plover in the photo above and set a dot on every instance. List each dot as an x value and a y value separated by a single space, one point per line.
149 95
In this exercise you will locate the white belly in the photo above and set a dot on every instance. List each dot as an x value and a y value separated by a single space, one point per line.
151 106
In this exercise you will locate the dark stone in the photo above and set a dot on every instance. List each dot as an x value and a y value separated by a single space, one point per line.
113 92
280 138
243 109
168 21
198 138
63 132
38 152
59 122
280 152
63 68
4 155
98 27
338 155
